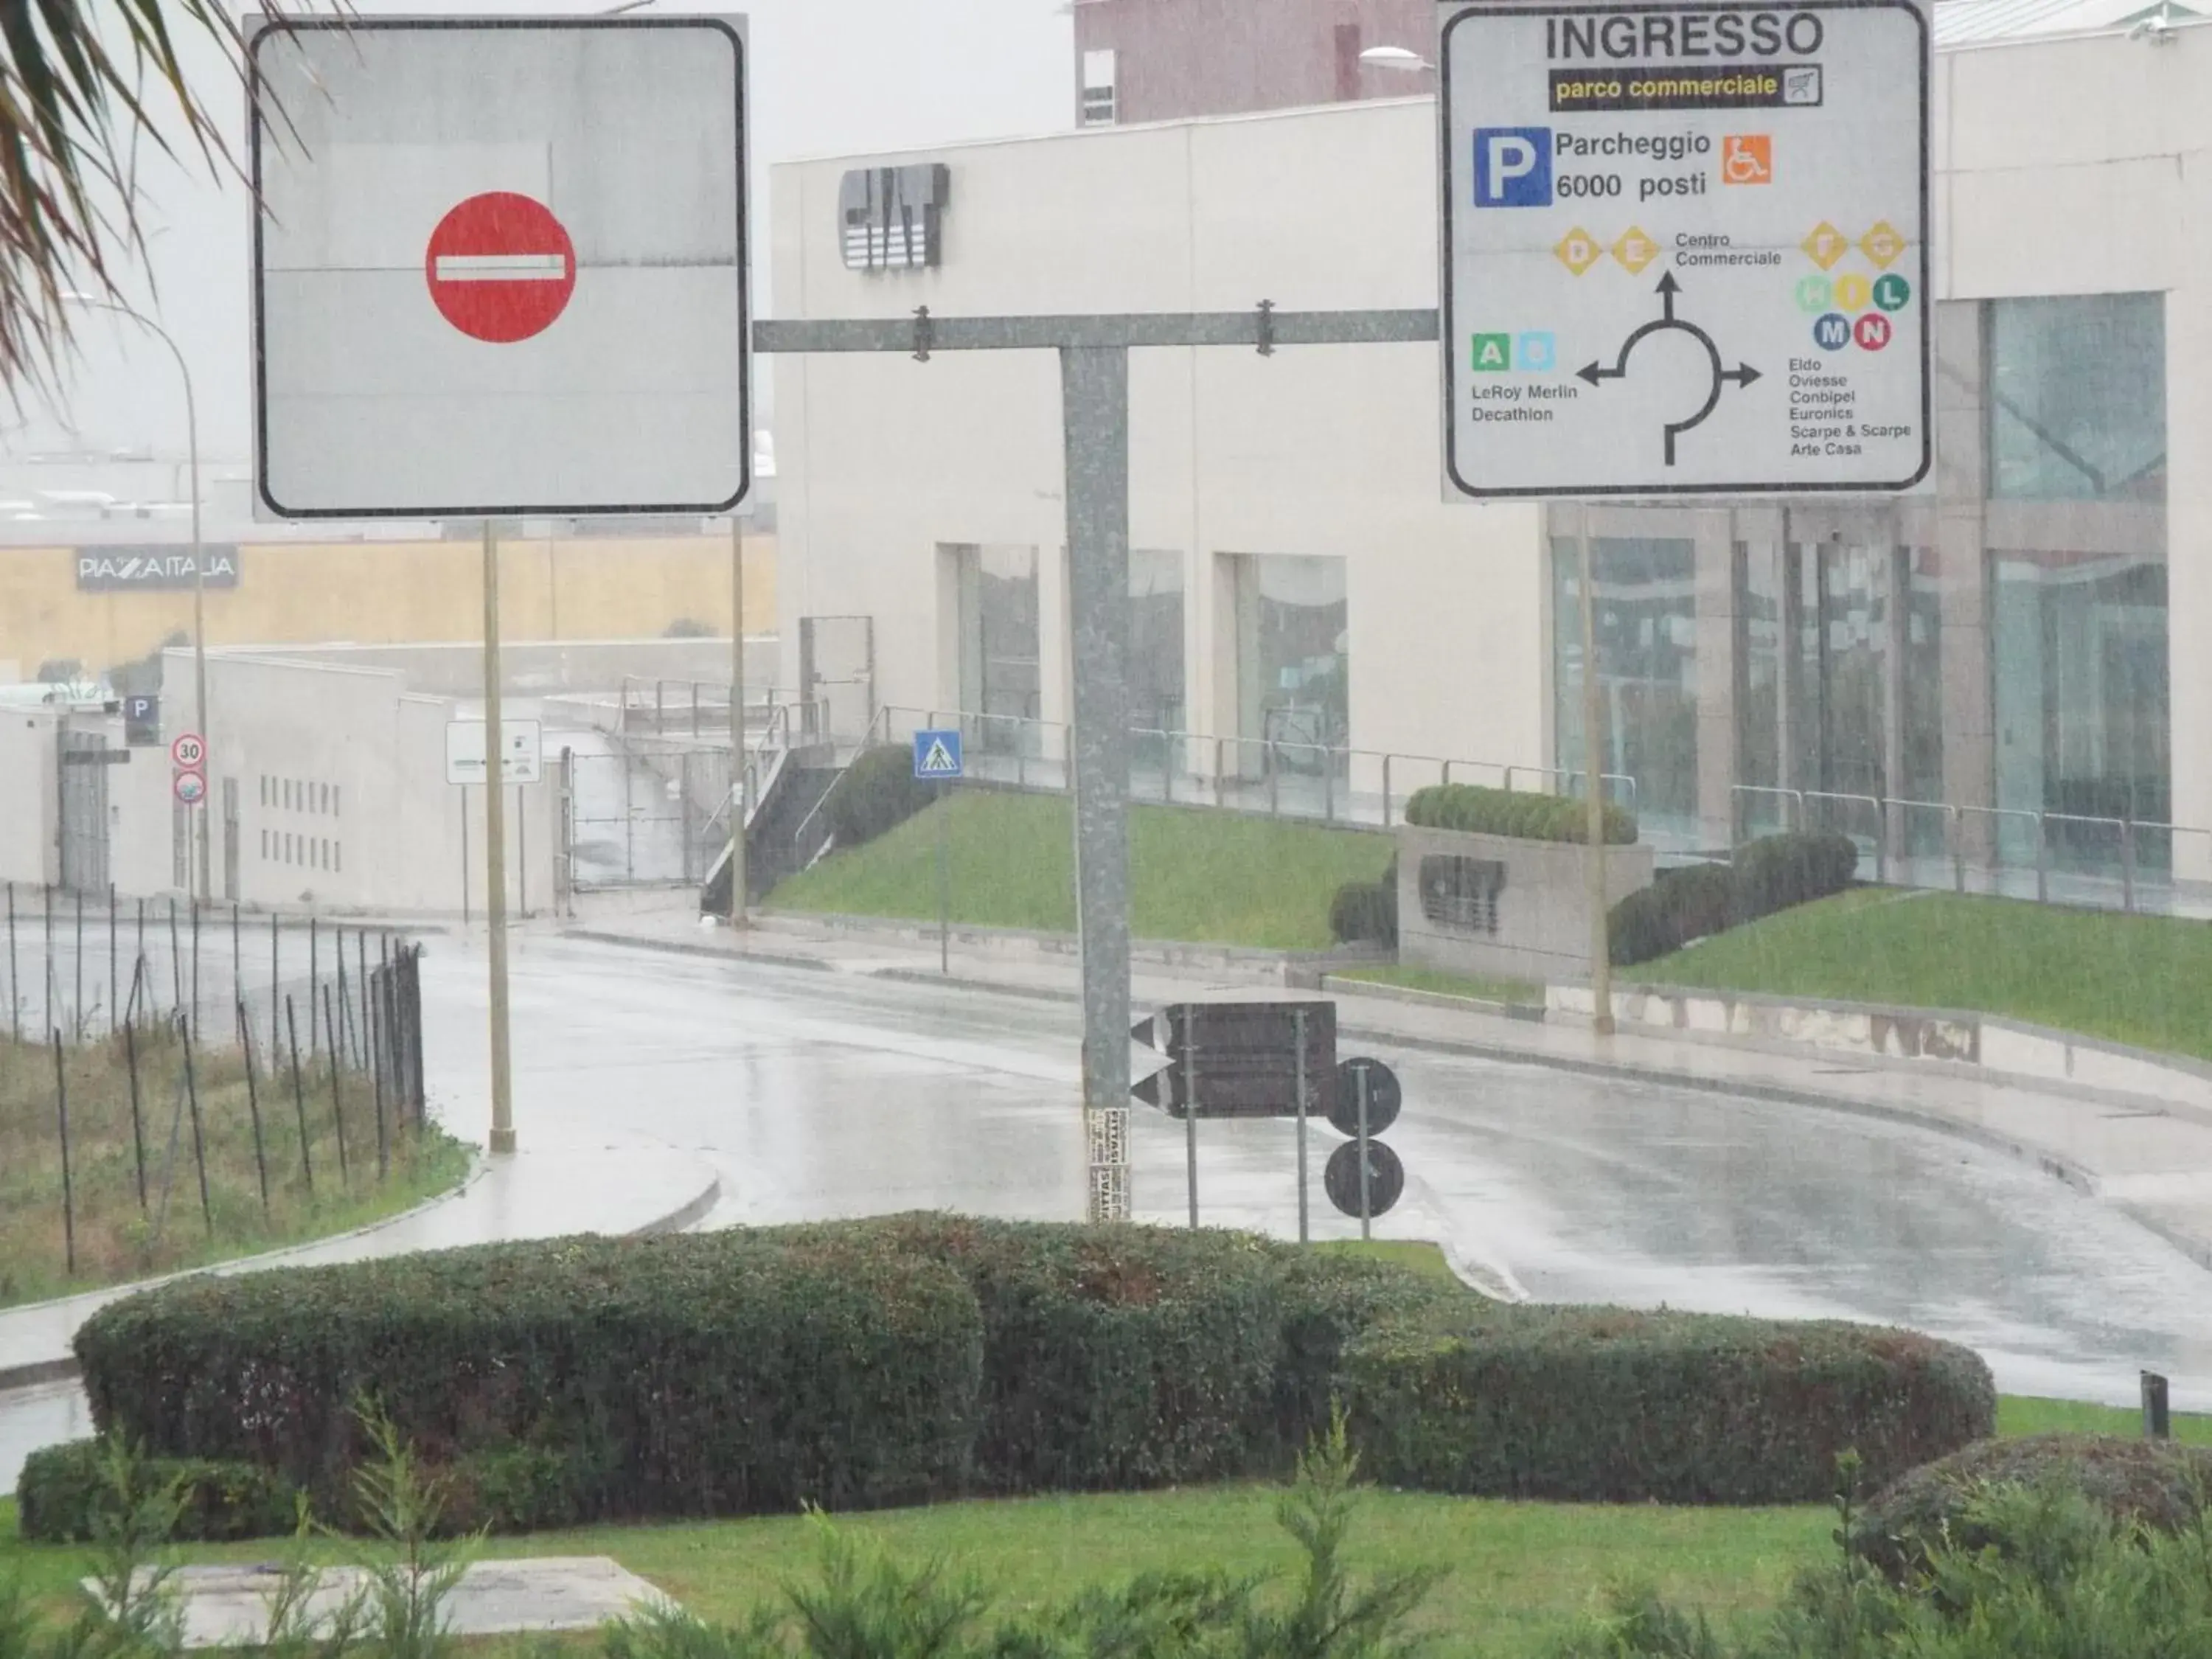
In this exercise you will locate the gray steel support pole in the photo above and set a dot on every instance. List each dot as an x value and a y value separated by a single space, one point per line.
738 793
1190 1117
1298 1020
944 888
1095 407
1594 788
1367 1200
503 1081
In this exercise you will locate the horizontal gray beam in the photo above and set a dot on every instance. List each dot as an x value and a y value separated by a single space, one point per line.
1201 328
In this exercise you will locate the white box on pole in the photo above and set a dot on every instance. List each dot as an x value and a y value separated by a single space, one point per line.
1685 248
500 267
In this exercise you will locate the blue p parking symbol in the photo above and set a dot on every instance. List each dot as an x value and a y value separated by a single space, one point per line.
1512 166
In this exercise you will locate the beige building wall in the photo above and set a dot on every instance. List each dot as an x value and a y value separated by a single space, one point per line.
389 591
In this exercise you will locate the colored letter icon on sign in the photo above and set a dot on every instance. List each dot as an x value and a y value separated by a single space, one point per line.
1831 332
1891 291
937 755
1852 292
1872 331
1512 166
1492 352
1578 250
1538 352
1815 294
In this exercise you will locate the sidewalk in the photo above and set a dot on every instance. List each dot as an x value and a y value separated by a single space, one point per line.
536 1194
2135 1152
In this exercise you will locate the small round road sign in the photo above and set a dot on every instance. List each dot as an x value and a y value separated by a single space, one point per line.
1384 1097
189 750
1386 1178
500 267
190 787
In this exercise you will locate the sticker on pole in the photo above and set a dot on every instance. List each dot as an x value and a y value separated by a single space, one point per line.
500 267
190 786
188 751
937 755
1686 248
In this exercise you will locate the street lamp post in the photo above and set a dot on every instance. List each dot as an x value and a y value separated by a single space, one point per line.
206 885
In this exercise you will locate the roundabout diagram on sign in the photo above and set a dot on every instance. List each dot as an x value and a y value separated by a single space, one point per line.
1742 374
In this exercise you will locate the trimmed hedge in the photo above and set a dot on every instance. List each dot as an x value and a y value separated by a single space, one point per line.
1608 1405
1113 1357
64 1489
1527 816
1365 912
1699 900
921 1356
684 1374
876 793
2158 1484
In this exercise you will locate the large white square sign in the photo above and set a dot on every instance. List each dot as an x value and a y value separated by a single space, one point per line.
1685 248
500 267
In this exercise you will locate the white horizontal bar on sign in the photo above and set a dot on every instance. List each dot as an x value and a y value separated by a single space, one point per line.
502 267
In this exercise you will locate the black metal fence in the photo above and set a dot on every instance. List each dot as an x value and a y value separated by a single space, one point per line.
167 1055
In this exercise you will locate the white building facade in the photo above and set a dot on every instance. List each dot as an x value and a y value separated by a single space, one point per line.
2009 656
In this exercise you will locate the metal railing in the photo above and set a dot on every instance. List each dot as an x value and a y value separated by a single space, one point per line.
2076 858
1337 783
701 708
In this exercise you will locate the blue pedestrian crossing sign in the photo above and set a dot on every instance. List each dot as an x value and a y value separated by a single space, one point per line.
937 755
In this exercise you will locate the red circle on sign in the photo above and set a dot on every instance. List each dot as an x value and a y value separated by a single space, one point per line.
500 267
1872 331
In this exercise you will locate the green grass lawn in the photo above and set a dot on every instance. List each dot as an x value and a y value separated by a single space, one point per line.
1205 876
1520 1572
2138 980
1481 987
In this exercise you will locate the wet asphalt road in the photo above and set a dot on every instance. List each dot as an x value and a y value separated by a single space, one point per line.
822 1094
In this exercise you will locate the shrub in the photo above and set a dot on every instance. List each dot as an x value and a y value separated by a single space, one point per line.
1777 872
1603 1404
1113 1357
1691 903
2156 1483
876 793
707 1374
1365 911
64 1490
1480 811
1697 901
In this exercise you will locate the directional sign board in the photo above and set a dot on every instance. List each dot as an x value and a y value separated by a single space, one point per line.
522 757
937 755
500 266
1685 248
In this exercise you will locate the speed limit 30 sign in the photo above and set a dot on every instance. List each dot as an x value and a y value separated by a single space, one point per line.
189 751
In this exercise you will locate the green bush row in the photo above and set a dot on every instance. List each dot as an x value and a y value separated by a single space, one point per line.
912 1357
61 1488
876 793
1529 817
1603 1403
1367 911
1699 900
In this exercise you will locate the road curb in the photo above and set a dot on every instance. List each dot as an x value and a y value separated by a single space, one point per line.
40 1371
683 947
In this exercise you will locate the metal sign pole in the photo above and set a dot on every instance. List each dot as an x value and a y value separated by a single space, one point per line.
737 791
1190 1112
1298 1020
1593 787
502 1087
1095 402
943 891
1367 1201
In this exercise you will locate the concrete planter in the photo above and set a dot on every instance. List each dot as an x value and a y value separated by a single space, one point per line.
1501 906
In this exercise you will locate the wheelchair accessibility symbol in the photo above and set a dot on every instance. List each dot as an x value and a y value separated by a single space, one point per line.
1748 158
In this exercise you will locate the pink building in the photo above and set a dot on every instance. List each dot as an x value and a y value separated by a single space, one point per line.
1168 60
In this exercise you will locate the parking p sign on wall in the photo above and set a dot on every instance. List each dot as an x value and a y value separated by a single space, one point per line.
500 266
1685 248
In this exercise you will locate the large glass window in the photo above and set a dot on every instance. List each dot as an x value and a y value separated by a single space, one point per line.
1647 655
998 639
2076 405
1293 667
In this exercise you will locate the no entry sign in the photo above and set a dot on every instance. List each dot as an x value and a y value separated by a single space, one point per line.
500 267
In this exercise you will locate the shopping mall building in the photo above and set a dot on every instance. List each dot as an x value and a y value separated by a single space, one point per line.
2011 640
